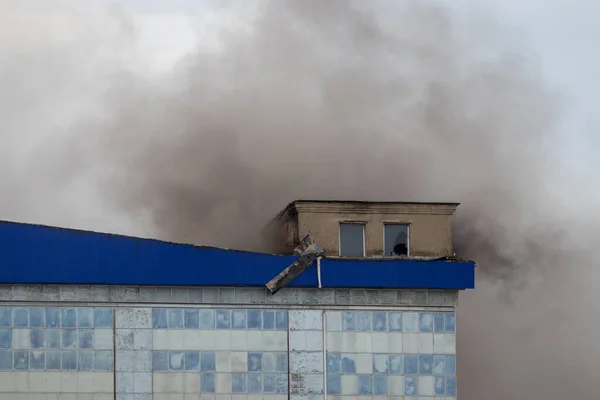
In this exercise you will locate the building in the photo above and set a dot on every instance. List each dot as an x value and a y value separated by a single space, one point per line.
87 315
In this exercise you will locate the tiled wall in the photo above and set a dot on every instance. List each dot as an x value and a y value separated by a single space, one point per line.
226 352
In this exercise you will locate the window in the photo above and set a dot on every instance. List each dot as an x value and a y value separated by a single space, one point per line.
395 237
352 240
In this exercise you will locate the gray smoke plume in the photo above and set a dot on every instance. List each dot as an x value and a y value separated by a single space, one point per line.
321 100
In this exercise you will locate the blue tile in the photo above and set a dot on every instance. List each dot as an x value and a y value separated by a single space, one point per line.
21 360
6 360
37 360
85 360
410 322
207 361
69 318
53 338
238 383
254 383
425 364
439 364
380 385
450 386
104 360
159 318
395 364
282 362
365 385
282 383
53 360
37 317
206 319
348 321
175 318
192 361
380 364
207 383
438 323
411 364
69 339
268 362
450 365
380 321
254 319
395 321
6 338
439 386
449 325
223 319
238 319
103 317
425 322
37 338
6 317
69 360
334 363
348 364
176 360
268 320
363 321
53 317
191 319
281 320
85 339
20 317
334 384
269 383
160 360
254 362
411 386
85 317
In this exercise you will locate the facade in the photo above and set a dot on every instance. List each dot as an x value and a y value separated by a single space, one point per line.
88 315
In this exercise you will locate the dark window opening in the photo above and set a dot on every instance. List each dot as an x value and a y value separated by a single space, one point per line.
352 240
395 240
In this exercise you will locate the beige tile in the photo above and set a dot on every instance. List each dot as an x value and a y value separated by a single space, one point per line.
160 382
395 343
410 343
364 363
438 343
208 340
189 396
223 397
85 396
103 396
191 340
191 383
396 385
363 342
334 341
156 396
85 382
380 343
176 382
7 382
37 382
37 396
223 361
239 340
223 341
238 397
223 383
53 382
160 339
349 342
104 382
6 396
254 341
426 343
256 397
349 384
69 382
449 344
175 339
21 396
208 397
67 396
53 396
239 361
21 382
173 396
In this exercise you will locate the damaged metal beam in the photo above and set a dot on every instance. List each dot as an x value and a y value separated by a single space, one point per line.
307 251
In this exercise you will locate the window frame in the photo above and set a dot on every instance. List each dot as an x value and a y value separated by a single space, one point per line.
407 236
364 239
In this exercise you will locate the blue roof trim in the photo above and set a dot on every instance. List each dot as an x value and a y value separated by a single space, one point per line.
33 254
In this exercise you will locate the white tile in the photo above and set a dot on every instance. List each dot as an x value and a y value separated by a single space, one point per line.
103 382
21 382
176 396
349 384
176 382
364 363
395 343
192 383
208 339
410 343
7 381
223 396
124 318
160 339
426 385
314 340
125 360
37 382
396 385
306 362
38 396
21 338
348 342
85 396
69 382
223 383
380 343
239 361
189 396
142 382
305 320
143 318
175 339
334 342
65 396
239 397
160 382
99 397
207 397
254 341
103 339
426 343
297 341
85 382
223 340
142 339
438 343
143 361
124 382
239 341
334 321
54 382
449 344
363 342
